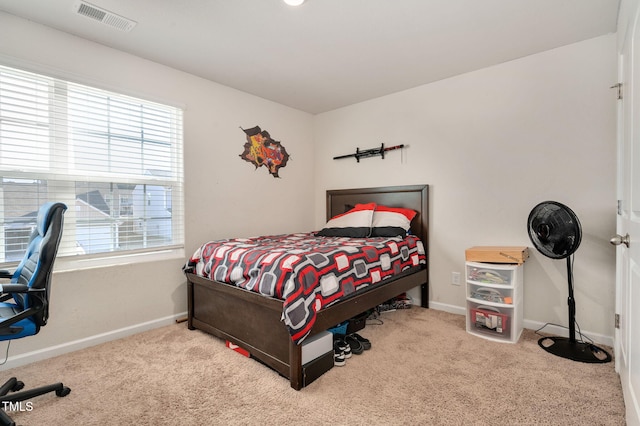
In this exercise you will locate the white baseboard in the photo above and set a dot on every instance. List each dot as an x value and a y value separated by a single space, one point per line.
50 352
532 325
452 309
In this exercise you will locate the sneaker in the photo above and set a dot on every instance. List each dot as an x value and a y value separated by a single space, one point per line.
354 344
342 346
338 358
366 344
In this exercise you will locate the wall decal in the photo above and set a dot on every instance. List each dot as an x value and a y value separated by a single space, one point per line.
261 150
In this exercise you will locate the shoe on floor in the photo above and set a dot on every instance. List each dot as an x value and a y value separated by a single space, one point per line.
341 345
356 346
338 358
366 344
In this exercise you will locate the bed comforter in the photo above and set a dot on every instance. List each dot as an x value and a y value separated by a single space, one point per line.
305 271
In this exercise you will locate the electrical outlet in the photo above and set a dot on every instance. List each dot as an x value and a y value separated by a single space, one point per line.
455 278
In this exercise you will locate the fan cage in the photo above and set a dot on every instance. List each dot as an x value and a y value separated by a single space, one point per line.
554 229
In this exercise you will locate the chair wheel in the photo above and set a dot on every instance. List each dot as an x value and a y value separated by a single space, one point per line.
19 385
63 392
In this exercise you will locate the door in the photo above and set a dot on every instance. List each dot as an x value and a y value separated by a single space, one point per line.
627 335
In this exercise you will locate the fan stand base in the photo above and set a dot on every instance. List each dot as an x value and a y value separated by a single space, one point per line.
576 351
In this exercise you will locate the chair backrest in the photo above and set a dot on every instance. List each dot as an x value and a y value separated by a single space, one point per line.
37 265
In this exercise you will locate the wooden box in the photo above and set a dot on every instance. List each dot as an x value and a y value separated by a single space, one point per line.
497 254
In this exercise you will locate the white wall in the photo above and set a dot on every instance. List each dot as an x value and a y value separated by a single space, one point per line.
492 144
225 196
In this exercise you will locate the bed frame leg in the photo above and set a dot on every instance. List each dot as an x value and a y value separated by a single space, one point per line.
424 296
190 305
295 365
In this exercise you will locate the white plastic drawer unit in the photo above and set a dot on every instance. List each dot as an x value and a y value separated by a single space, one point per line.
490 273
494 301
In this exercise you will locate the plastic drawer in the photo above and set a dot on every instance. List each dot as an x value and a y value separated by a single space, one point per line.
490 273
491 294
490 321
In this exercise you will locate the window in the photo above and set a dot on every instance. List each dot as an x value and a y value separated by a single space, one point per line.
114 160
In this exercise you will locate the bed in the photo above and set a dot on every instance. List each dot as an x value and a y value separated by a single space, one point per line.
254 322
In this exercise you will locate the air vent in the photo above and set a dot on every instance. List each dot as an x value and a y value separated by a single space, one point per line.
104 16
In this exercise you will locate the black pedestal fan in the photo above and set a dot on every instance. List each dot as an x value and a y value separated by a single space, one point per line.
555 231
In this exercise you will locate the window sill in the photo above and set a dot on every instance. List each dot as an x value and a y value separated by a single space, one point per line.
67 264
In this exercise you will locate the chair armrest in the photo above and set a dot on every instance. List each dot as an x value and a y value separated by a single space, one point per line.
5 326
5 274
18 288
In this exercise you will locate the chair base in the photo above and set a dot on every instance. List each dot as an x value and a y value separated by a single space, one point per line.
13 385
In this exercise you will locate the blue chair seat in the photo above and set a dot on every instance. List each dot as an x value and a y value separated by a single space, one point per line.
23 328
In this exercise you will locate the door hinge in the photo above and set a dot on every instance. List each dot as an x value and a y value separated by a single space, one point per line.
619 87
617 320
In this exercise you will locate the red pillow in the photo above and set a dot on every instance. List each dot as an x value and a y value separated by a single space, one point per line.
391 221
355 223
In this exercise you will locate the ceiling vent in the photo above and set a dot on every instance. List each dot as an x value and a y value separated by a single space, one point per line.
104 16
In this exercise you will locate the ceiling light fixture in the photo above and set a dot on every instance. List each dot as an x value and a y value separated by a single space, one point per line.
294 2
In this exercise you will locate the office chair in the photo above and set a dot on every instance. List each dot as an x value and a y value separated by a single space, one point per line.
24 301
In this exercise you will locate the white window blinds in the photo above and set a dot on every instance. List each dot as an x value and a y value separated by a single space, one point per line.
114 160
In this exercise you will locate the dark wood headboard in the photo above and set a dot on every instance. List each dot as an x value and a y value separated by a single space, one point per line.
409 196
414 197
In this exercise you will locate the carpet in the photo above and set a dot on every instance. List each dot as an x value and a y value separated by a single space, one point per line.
423 369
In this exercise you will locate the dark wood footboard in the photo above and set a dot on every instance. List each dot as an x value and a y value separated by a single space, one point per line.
246 319
253 322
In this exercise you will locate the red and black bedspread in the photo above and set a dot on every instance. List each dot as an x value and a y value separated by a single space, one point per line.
306 271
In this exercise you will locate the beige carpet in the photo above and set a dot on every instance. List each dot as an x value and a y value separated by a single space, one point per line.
423 369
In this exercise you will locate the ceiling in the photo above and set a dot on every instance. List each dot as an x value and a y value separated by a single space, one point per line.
327 54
